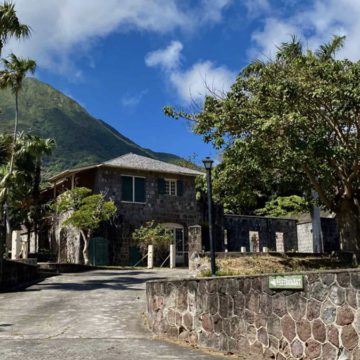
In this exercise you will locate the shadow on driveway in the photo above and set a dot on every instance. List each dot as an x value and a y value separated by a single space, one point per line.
119 283
125 273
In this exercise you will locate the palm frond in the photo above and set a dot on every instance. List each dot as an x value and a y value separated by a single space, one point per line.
327 51
10 25
290 50
15 70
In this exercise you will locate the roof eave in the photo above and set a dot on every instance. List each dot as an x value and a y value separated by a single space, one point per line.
156 171
68 172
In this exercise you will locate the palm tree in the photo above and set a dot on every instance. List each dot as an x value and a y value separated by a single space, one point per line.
34 148
12 77
10 25
20 188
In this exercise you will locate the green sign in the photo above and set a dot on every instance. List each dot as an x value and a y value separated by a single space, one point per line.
286 282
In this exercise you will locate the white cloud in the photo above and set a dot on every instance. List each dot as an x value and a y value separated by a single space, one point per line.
314 25
203 78
65 30
131 101
274 33
256 7
193 84
168 58
213 9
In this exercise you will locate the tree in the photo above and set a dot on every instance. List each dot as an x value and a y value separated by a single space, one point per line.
296 116
293 205
10 25
86 212
20 188
12 77
33 149
15 70
152 233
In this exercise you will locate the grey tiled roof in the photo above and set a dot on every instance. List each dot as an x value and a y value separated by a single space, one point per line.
134 162
137 162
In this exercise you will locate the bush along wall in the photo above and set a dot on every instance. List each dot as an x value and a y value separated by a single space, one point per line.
242 314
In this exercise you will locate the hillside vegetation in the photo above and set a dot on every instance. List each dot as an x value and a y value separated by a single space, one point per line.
81 139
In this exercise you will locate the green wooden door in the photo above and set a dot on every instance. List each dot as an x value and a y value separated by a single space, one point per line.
99 251
134 255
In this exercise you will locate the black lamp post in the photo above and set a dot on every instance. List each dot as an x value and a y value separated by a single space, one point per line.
4 235
208 166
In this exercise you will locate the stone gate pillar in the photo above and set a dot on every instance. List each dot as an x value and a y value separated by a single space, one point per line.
16 245
195 246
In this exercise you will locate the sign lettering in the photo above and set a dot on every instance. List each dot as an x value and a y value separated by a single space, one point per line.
286 282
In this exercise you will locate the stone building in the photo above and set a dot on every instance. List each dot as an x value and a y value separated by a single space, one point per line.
143 189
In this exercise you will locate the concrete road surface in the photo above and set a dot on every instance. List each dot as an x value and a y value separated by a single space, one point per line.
97 315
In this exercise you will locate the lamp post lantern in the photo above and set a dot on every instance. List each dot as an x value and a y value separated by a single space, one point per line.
208 166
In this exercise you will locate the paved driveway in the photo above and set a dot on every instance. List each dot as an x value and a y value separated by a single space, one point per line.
94 316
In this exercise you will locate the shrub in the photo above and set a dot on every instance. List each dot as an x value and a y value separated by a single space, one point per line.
154 234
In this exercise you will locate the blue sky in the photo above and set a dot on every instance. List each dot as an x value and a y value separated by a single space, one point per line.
123 60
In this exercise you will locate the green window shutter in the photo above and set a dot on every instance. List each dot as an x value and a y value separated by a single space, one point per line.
180 187
161 186
139 189
127 188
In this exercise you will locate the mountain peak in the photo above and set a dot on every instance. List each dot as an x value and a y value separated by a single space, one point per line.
81 139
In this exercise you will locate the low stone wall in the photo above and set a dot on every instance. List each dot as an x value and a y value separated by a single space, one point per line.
65 267
241 314
16 273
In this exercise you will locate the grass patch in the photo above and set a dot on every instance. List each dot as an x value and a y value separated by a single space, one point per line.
252 265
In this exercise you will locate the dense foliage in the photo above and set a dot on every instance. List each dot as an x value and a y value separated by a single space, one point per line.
20 188
281 206
292 120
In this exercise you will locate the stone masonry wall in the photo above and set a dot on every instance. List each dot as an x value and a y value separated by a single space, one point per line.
239 226
241 315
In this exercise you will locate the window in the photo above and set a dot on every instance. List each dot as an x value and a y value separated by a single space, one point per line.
170 187
133 189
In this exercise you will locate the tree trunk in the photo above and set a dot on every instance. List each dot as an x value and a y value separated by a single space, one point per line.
36 200
348 219
28 228
15 131
86 248
8 231
318 245
12 160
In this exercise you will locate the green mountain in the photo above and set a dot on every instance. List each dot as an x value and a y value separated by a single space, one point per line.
81 139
